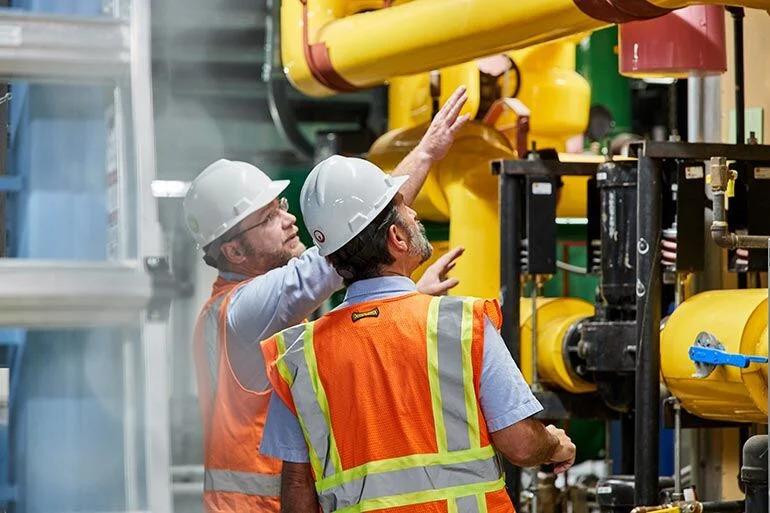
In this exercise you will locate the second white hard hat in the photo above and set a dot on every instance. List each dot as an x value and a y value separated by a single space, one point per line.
341 197
223 195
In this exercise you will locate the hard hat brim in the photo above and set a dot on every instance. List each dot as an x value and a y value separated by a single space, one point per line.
398 182
275 188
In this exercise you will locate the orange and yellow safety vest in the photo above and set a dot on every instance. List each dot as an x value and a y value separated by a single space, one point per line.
237 478
387 395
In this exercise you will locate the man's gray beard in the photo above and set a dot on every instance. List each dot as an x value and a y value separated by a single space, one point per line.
419 245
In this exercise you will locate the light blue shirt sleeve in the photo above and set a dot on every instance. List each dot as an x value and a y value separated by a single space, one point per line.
282 437
282 297
504 394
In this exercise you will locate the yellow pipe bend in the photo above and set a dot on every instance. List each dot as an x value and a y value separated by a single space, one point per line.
368 48
738 319
462 188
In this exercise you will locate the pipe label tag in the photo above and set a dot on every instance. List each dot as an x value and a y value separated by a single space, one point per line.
762 173
542 188
693 172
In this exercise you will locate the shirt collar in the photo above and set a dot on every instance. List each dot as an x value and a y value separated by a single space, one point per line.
230 276
383 285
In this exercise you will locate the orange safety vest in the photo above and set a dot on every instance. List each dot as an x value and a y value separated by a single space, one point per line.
387 395
237 478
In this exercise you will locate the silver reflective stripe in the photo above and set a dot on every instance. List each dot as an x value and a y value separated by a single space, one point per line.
450 368
467 504
305 399
211 332
415 479
249 483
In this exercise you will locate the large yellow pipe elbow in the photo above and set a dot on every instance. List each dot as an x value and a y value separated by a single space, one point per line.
462 188
738 319
324 49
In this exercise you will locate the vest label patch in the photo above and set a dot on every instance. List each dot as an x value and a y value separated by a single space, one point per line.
357 316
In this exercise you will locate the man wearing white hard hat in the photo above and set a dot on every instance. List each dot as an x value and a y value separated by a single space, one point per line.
267 282
395 399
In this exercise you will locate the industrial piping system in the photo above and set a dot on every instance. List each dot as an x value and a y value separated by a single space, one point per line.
330 46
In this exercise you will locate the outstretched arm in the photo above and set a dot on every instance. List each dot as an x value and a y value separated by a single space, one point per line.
434 145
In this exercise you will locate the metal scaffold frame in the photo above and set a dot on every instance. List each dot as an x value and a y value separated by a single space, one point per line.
114 51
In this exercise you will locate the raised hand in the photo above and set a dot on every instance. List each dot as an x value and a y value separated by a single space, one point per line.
435 281
441 133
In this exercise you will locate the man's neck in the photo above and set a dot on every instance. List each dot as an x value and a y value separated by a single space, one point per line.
398 269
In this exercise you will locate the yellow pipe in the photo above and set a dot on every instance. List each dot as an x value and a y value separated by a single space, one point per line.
368 48
560 100
738 319
462 188
409 101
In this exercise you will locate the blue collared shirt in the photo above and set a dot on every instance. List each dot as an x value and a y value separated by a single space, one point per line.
264 305
504 395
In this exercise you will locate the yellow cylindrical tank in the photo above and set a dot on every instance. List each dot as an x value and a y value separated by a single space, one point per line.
555 318
738 319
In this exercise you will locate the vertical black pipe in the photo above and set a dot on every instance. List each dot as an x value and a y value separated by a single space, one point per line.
740 94
648 311
740 84
754 474
510 290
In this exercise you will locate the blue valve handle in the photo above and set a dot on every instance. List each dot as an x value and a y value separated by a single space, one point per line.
712 356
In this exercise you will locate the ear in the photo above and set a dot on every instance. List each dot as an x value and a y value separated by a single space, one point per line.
398 240
233 252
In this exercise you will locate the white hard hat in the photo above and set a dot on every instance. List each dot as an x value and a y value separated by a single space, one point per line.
223 195
341 196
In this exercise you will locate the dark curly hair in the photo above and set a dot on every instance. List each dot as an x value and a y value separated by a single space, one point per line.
365 255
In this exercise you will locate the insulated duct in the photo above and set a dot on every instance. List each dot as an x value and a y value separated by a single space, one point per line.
326 50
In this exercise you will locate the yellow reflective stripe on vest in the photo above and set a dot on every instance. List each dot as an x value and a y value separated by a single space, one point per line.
450 372
404 462
471 404
249 483
418 478
448 494
333 456
297 366
280 363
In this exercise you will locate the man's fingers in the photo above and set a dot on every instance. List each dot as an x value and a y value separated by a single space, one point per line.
455 97
450 266
460 122
449 284
443 112
450 256
456 108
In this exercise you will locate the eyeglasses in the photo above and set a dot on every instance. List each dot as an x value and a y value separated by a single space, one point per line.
283 205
